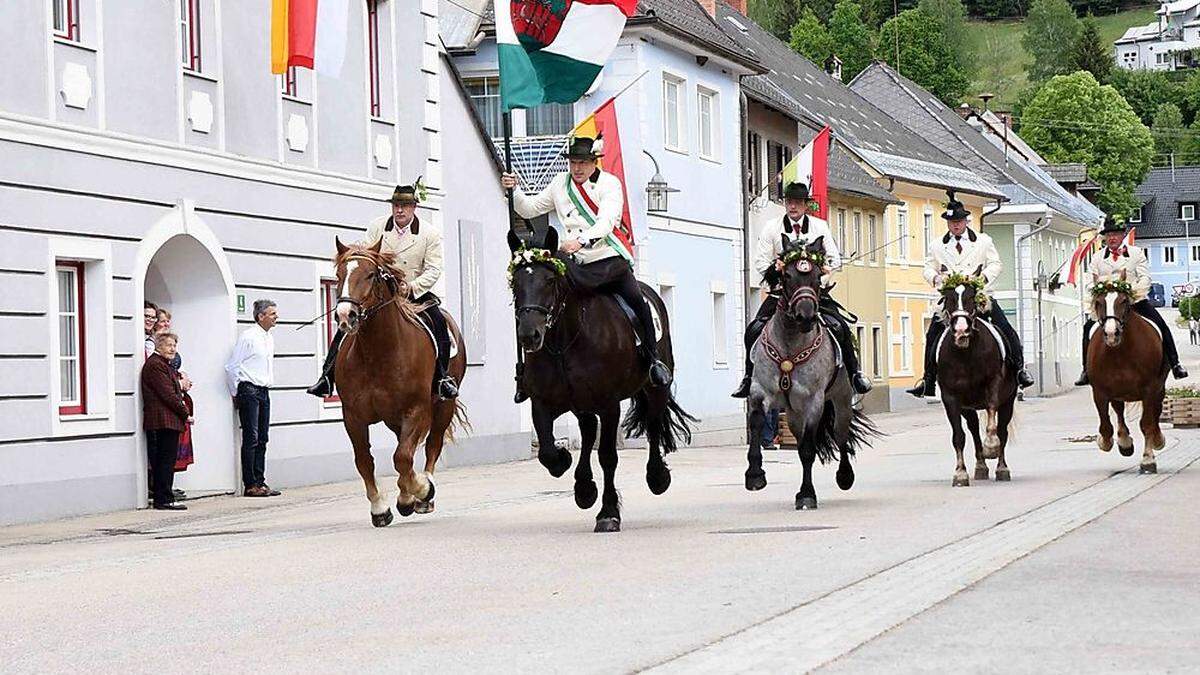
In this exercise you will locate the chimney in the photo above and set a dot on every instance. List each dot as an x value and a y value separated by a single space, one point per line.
833 66
739 5
710 6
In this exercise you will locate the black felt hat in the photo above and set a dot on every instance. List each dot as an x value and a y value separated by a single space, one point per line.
955 211
583 147
796 190
405 194
1112 225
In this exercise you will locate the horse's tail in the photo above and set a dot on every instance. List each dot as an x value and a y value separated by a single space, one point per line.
460 422
655 413
862 429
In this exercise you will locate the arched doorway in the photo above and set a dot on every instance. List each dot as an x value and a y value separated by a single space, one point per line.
181 267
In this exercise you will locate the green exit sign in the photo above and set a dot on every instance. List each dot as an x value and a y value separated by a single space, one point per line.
241 303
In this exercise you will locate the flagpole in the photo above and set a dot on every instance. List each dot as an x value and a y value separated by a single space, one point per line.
512 224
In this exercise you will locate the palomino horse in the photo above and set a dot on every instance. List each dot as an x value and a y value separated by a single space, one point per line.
797 370
385 374
581 358
1125 364
974 375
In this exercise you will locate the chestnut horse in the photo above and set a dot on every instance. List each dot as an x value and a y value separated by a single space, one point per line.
1125 364
385 374
973 375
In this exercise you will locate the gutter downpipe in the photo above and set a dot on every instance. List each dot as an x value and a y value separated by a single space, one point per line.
743 176
1038 229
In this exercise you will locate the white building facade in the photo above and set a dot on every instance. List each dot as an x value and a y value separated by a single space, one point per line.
1171 42
148 154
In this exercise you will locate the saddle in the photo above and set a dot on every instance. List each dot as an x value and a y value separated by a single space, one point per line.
633 320
424 321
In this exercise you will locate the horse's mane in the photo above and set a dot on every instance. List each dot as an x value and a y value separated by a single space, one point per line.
387 261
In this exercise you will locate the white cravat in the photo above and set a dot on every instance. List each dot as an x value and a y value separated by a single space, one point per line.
252 360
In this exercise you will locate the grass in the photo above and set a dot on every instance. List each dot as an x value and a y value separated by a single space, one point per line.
1002 59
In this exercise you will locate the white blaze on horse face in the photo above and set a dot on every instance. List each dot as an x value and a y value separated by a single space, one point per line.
1110 321
960 323
342 311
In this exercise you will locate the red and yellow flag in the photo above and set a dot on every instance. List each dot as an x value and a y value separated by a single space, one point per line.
309 34
602 124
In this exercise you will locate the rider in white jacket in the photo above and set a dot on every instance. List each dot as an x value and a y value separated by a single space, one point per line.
962 251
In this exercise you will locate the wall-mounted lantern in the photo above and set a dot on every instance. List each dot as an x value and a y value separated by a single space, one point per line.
657 190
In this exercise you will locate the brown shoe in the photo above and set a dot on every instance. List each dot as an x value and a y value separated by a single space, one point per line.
256 491
271 492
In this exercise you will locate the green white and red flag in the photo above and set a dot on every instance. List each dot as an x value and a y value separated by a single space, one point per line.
551 51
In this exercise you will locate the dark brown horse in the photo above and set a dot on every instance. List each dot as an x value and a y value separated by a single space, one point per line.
1125 364
974 375
580 357
384 369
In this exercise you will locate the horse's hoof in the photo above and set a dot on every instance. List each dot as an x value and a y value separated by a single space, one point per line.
658 481
961 481
432 490
756 481
558 465
585 494
423 507
608 525
1105 444
845 478
382 519
406 510
981 473
1126 451
806 503
1152 467
1002 475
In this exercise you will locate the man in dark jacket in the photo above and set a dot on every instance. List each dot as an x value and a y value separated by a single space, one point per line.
164 415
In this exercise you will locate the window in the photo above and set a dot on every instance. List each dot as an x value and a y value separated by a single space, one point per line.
485 97
552 119
858 238
902 234
873 232
1169 254
189 34
754 162
709 113
1195 252
329 295
674 113
288 82
876 342
72 363
373 54
1187 211
860 335
778 157
906 343
66 19
928 232
720 344
1136 216
841 230
667 293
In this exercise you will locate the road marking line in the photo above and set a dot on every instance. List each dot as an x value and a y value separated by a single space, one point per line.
813 634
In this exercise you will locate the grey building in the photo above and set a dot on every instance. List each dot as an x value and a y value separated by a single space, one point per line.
147 153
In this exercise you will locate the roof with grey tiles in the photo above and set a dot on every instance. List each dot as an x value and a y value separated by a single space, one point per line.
1161 193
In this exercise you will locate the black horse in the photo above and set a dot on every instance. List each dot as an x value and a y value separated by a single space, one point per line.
581 357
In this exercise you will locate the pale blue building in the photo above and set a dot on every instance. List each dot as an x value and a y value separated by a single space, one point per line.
1167 226
682 117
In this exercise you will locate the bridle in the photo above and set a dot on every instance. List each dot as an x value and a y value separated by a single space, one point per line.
961 313
552 313
1121 321
380 275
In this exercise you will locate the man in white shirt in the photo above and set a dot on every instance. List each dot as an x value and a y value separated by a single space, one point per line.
799 225
251 372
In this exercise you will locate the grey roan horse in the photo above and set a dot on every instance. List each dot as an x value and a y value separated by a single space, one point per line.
797 370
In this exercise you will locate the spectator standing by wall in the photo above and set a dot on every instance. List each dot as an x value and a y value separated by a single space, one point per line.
150 320
164 417
1194 330
251 372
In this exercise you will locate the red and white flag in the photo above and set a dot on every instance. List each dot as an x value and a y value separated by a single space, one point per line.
811 167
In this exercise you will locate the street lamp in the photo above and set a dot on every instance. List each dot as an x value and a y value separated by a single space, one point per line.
657 190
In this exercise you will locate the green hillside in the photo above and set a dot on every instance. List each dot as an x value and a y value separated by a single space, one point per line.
1002 60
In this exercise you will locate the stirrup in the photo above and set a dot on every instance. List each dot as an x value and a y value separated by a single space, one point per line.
1178 371
1083 380
447 389
322 389
660 375
743 390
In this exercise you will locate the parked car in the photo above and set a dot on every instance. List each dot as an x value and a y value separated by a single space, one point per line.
1158 297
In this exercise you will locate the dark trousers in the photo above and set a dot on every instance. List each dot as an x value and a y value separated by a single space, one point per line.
626 285
1145 309
162 447
831 317
997 317
441 332
254 410
770 427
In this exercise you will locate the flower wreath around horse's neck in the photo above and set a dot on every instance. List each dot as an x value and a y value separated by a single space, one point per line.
955 279
524 257
790 256
1111 286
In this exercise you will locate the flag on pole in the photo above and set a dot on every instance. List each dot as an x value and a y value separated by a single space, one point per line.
1129 237
1081 252
602 124
551 51
309 34
811 167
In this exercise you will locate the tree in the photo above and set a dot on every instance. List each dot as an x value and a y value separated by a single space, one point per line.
1024 98
853 42
1051 26
1074 118
779 16
811 38
996 9
1090 54
1145 90
924 56
1188 96
1167 129
951 17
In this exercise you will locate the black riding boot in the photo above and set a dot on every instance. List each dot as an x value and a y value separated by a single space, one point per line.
845 341
1170 351
927 385
1000 321
630 291
753 330
324 386
443 385
1083 380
